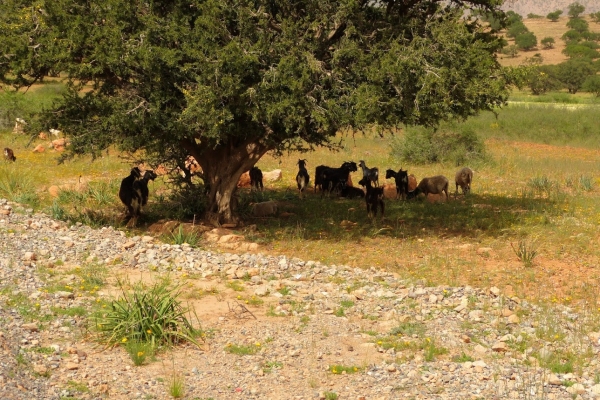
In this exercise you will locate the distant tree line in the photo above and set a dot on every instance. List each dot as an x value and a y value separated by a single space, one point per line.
580 71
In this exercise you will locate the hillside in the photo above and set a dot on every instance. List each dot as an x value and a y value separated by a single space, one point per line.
543 7
543 27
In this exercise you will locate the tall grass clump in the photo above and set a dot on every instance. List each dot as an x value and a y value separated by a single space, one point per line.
146 314
17 185
455 144
525 252
180 236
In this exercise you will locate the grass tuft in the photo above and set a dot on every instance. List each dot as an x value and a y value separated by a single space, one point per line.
146 314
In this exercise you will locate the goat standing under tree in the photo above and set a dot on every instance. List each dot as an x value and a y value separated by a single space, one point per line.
302 178
126 192
373 198
401 178
371 174
256 178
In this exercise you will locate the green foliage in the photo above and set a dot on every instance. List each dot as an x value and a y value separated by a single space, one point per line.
548 43
148 315
462 358
139 351
526 41
409 329
341 369
575 10
241 350
431 350
16 184
513 18
511 50
330 395
452 144
595 17
573 73
176 385
516 29
179 236
584 50
592 85
534 16
554 15
578 24
226 87
571 36
525 252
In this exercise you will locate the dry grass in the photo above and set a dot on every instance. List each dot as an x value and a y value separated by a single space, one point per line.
543 28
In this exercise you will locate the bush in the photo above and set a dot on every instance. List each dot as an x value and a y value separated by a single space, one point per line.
146 315
526 41
548 43
578 24
516 29
592 85
448 145
554 16
575 10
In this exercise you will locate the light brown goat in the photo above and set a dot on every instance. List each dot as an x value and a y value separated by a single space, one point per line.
463 178
434 185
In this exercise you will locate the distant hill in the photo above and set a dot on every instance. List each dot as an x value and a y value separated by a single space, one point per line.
543 7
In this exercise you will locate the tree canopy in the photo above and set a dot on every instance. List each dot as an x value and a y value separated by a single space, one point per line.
226 81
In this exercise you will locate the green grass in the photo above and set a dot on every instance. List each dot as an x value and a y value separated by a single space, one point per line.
179 236
176 386
462 358
148 314
139 351
242 350
344 369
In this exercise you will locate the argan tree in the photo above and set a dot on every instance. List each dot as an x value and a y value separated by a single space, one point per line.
575 10
227 81
554 15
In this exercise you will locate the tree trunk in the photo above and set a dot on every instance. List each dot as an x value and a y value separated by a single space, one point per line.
222 167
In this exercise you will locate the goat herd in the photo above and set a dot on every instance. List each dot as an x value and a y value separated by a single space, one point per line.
337 180
134 188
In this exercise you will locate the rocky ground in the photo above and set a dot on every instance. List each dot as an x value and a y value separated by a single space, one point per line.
313 331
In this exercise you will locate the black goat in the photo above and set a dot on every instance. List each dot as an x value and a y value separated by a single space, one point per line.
302 178
319 176
351 192
256 178
126 191
140 186
373 198
401 178
9 155
371 174
336 179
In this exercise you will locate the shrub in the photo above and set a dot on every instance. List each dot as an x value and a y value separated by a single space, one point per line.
548 43
592 85
516 29
148 315
511 50
575 10
554 16
425 145
526 41
578 24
